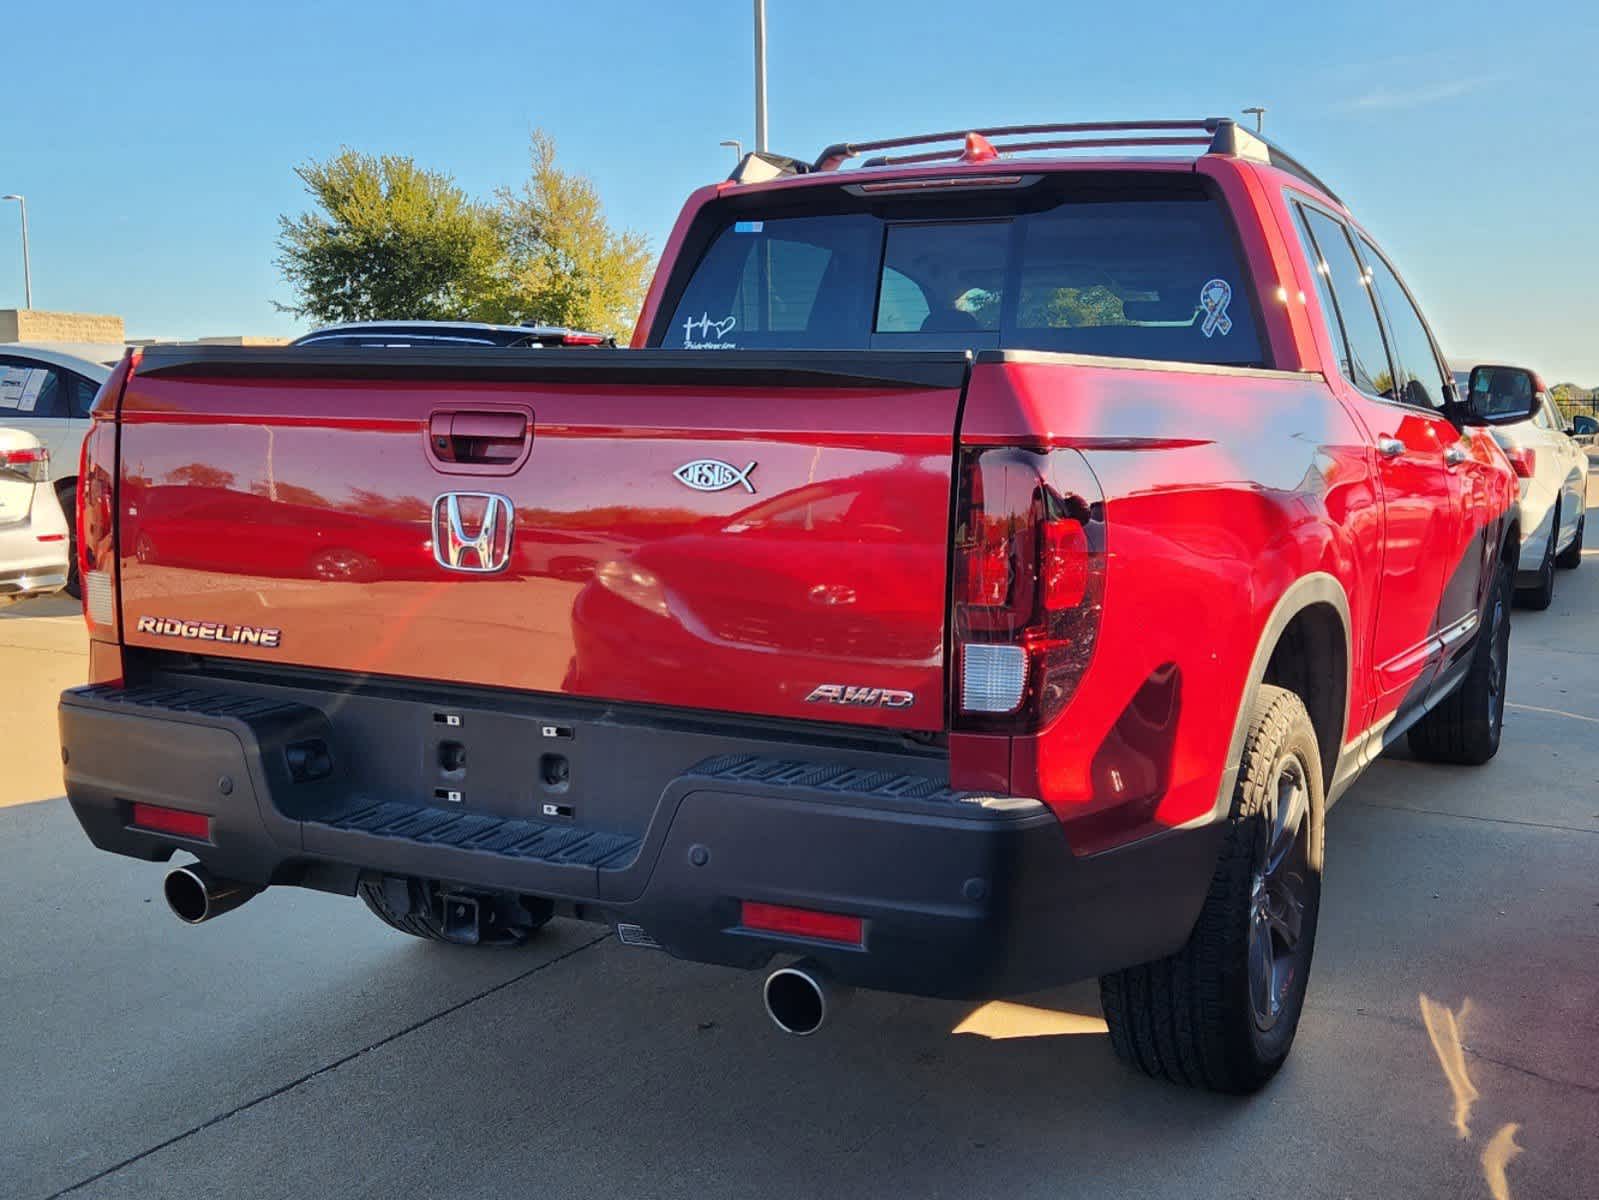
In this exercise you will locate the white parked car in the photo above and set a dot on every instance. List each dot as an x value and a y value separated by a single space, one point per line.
34 538
1553 470
48 391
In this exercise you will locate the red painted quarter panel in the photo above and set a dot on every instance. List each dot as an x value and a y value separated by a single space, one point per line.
1221 490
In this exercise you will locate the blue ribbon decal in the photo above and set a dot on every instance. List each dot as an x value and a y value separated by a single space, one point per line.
1214 298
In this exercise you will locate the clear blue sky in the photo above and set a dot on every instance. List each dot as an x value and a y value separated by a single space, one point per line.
155 143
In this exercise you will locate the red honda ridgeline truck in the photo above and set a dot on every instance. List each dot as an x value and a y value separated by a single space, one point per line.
984 572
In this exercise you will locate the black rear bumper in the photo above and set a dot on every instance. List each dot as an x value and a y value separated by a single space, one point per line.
962 895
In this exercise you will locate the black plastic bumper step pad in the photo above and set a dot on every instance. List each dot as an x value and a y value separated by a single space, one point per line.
508 836
191 700
828 777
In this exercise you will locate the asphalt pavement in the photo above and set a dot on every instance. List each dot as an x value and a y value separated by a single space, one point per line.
1450 1046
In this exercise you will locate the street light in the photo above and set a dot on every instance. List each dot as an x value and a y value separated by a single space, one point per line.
760 76
27 271
737 147
1260 117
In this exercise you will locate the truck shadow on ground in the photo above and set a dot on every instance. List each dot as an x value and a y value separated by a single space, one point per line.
316 1053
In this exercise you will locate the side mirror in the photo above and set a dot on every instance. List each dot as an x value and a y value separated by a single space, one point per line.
1501 395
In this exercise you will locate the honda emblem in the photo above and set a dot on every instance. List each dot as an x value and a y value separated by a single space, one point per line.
472 531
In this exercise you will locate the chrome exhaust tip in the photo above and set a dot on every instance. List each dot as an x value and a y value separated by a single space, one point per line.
801 997
195 895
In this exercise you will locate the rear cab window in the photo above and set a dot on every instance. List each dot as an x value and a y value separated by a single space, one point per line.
1087 264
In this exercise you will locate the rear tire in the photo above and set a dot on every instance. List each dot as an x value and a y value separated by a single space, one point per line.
1465 727
1541 595
1222 1012
1571 557
415 906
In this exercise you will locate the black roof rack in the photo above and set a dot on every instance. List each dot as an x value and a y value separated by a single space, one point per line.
1219 135
1231 139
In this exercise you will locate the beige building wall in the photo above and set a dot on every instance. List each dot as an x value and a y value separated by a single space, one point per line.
37 325
244 340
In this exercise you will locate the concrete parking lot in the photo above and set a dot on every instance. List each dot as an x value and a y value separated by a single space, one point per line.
1450 1046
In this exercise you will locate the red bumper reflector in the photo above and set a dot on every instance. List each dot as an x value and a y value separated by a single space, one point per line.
52 537
172 820
803 922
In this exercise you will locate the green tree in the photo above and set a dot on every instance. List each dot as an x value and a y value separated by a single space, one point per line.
565 264
1074 308
388 241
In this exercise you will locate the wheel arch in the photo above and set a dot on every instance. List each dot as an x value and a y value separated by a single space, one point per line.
1510 544
1304 646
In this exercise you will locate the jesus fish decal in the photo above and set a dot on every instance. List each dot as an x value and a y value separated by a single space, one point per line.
713 475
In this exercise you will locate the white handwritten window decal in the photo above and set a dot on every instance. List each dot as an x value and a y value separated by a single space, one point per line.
711 333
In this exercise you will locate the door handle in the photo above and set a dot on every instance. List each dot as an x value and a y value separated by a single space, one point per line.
480 441
1390 447
1455 455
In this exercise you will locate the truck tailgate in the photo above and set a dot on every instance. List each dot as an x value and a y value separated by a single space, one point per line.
762 533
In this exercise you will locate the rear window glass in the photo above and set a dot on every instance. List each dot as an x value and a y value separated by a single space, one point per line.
1157 276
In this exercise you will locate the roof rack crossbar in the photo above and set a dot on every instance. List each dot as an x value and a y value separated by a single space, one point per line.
837 154
1220 136
898 160
1234 141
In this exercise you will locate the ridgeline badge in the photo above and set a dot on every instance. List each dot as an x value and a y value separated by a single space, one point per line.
713 475
211 631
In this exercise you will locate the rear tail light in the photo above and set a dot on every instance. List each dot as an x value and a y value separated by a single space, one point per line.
1029 585
803 922
95 520
99 600
31 463
993 678
1524 462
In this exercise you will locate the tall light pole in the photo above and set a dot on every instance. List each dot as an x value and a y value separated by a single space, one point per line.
737 147
27 270
760 76
1260 117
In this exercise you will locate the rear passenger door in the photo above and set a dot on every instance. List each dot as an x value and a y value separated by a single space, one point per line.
1468 458
1420 498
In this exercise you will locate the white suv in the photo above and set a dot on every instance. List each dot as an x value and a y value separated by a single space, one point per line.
47 391
33 529
1553 470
